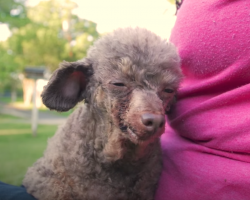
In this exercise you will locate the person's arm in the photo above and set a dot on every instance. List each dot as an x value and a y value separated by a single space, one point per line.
11 192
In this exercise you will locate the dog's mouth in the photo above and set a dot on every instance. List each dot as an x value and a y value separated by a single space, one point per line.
134 137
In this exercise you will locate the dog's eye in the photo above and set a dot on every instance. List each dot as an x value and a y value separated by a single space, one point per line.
167 90
119 84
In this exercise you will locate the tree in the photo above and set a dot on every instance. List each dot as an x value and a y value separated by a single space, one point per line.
43 42
13 13
77 36
36 45
7 65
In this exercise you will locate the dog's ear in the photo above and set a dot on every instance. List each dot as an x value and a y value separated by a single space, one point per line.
67 85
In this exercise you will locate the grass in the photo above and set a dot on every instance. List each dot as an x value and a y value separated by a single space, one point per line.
19 149
2 117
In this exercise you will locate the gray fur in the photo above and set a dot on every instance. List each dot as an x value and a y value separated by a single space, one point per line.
108 149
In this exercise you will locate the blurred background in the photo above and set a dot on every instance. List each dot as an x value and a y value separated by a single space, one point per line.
35 36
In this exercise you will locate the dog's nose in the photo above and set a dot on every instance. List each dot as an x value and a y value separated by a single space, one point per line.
152 122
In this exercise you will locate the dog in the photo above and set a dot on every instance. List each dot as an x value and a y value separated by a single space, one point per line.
109 147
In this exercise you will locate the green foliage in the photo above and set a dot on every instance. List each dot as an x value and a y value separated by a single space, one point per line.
36 45
13 12
51 13
8 66
42 41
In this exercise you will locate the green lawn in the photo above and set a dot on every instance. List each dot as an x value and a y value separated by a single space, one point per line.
19 149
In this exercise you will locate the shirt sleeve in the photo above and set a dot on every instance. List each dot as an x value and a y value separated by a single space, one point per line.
11 192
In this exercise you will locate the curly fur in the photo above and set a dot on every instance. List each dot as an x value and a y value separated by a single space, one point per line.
108 149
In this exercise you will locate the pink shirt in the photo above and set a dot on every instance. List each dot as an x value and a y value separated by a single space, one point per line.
207 151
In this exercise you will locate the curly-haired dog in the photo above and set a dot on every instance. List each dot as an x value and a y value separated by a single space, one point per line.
109 147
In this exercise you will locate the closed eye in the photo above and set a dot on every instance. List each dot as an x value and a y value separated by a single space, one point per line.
168 90
119 84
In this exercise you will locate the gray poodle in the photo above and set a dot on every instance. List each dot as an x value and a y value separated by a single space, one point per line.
109 147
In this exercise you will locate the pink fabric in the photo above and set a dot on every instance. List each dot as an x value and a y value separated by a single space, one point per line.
207 150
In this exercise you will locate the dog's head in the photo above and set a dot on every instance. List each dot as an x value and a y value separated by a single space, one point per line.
130 76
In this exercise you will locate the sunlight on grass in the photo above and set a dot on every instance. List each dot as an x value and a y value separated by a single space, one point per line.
22 106
14 131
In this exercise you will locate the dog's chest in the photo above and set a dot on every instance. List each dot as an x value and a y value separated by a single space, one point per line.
120 181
